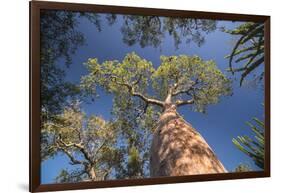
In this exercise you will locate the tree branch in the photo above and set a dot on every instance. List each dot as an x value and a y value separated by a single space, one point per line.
146 99
98 149
184 102
105 174
181 92
134 93
79 133
78 146
70 156
186 91
138 80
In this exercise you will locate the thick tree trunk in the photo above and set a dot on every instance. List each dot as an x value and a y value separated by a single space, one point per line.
178 149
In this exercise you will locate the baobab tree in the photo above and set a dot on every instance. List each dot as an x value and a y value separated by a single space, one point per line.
176 148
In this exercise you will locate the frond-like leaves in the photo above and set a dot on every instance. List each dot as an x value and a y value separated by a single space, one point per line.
249 48
253 147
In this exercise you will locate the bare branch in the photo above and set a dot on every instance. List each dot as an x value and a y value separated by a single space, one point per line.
140 95
185 91
79 146
146 99
70 156
181 92
138 80
105 174
184 102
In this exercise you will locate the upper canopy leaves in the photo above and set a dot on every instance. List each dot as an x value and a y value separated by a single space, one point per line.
113 76
188 79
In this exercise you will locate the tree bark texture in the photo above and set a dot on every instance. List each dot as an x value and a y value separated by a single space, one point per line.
178 149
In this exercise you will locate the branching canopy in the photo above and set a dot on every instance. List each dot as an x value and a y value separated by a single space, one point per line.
184 79
151 30
59 39
88 142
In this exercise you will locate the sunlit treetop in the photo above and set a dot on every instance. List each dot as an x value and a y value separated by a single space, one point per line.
179 80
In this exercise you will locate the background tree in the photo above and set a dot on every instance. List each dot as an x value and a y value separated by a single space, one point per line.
189 29
248 51
145 30
135 120
243 168
151 30
177 148
88 142
59 39
254 148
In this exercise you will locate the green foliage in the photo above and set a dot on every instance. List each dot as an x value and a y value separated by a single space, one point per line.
135 121
138 87
88 142
253 147
151 30
112 74
66 176
140 92
134 163
59 39
201 80
145 30
243 168
249 49
188 29
189 76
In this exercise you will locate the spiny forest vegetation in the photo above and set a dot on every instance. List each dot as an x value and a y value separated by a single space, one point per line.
147 136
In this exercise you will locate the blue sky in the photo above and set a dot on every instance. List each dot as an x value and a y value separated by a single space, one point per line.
218 126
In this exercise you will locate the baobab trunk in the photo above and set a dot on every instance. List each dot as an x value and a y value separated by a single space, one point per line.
178 149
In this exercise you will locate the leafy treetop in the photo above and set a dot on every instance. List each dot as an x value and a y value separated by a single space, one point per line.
178 80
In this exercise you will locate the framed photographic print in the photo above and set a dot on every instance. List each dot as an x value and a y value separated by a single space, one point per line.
123 96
